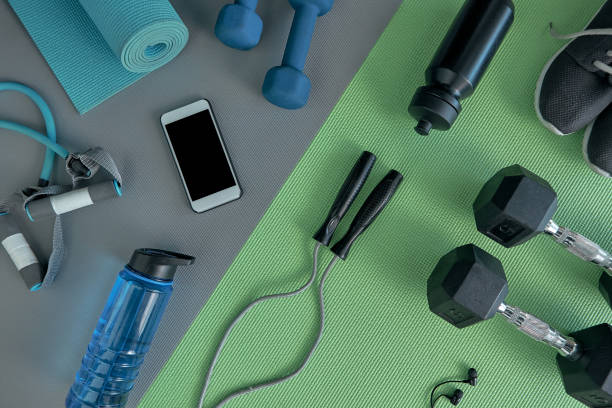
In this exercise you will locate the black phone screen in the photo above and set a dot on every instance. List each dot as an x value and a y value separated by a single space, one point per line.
200 155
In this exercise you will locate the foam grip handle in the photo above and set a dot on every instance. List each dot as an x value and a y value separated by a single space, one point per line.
20 252
72 200
373 206
79 167
347 194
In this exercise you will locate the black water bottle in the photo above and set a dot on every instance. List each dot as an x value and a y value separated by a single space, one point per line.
460 62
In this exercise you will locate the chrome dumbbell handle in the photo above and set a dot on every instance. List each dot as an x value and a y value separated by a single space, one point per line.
580 246
540 331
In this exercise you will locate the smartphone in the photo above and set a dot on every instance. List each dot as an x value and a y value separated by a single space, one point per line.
200 155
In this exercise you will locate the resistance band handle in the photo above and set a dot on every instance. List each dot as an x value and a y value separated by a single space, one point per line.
72 200
373 206
78 167
347 194
20 252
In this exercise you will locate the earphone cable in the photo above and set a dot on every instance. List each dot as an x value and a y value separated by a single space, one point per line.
432 402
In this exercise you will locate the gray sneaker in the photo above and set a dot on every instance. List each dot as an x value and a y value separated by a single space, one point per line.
574 87
597 146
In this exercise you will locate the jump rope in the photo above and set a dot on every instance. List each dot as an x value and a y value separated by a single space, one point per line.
372 207
44 200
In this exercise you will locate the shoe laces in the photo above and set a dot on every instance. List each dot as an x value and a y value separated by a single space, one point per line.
602 66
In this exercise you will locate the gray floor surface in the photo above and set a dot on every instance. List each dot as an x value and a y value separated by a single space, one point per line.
43 335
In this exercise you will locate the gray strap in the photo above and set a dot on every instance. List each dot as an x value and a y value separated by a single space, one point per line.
57 253
58 249
7 204
4 205
94 160
17 200
43 191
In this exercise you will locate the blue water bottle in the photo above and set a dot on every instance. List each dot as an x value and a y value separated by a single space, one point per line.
125 330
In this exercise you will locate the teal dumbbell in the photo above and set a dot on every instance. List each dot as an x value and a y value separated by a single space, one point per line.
287 86
238 25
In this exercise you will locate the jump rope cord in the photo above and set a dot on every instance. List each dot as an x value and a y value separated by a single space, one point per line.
245 311
253 304
433 402
308 356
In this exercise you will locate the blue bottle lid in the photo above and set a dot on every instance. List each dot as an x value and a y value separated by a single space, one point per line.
158 264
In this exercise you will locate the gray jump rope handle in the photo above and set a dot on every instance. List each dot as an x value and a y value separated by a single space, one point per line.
347 194
72 200
20 252
372 207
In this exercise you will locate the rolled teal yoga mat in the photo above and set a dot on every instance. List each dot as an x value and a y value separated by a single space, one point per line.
97 48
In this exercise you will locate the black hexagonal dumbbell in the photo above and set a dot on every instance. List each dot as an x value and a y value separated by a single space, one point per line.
469 285
515 205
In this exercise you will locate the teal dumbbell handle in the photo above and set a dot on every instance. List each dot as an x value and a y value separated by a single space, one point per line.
286 85
300 37
250 4
20 252
72 200
238 25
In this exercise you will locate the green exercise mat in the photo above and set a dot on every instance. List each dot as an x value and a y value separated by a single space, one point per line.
382 347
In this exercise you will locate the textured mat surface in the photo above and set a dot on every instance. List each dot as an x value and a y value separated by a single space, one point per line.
264 141
382 347
96 48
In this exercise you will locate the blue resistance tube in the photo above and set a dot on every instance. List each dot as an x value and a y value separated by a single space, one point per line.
49 140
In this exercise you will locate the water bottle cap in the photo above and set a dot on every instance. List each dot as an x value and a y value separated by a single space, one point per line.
434 109
158 264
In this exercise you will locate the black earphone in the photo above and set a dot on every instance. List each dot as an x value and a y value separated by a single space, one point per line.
455 399
457 395
472 377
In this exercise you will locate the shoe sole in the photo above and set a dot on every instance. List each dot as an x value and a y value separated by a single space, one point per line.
585 144
547 124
